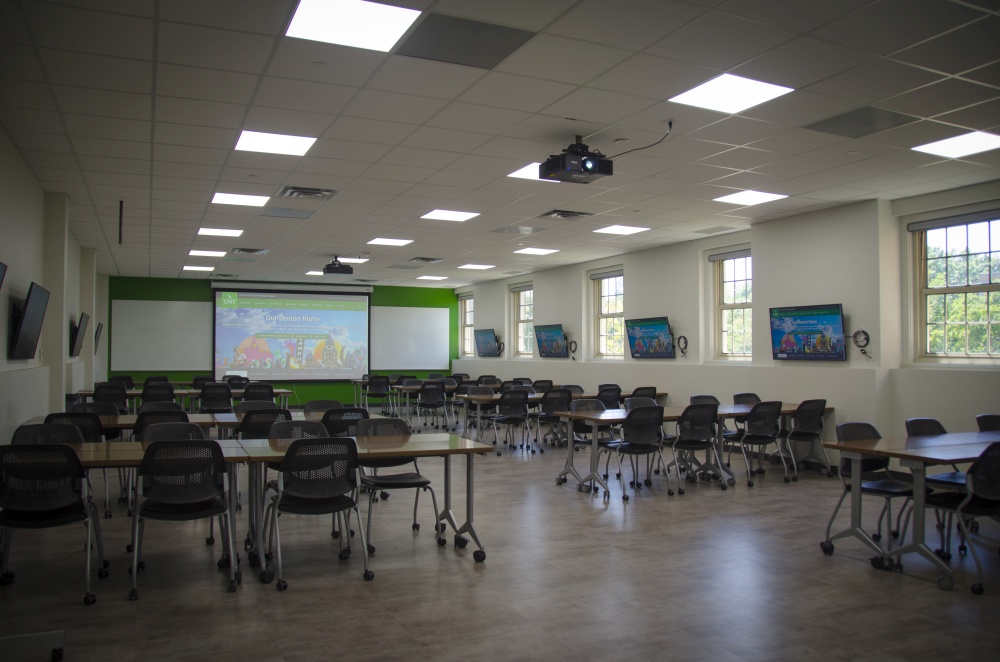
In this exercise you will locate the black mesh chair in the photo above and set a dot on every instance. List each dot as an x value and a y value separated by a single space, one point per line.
930 427
988 422
807 427
379 484
485 411
236 382
493 383
508 385
760 429
92 431
156 379
696 432
283 433
157 392
199 381
431 399
553 400
435 375
526 381
460 377
583 431
253 405
180 481
319 406
575 389
160 406
125 380
610 395
215 398
644 392
318 477
875 481
149 417
172 431
344 422
258 391
47 433
512 411
101 409
486 378
378 390
981 498
749 399
632 402
43 486
642 437
113 392
256 424
542 385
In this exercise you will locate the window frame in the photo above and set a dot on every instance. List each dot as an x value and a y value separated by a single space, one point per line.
466 327
922 291
600 316
520 323
721 308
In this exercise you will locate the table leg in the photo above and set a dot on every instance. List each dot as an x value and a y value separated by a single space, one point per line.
918 514
595 463
856 530
460 541
568 468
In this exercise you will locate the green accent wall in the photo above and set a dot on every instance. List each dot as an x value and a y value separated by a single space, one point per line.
168 289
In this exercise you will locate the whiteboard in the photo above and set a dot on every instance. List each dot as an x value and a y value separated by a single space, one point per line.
410 338
161 335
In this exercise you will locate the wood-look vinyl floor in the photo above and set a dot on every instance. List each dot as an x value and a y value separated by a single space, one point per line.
733 575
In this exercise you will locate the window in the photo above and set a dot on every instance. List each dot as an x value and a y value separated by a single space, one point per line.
524 314
959 296
734 296
466 326
609 293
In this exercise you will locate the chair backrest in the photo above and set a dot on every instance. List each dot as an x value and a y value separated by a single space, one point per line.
460 376
317 406
377 385
924 427
610 395
508 385
983 477
253 405
483 378
183 471
607 385
168 405
435 375
584 404
644 392
343 422
47 433
99 408
481 390
527 388
236 381
808 416
172 431
575 389
283 433
431 394
149 417
633 402
39 477
697 422
448 383
113 392
858 431
704 400
411 381
199 381
764 419
156 379
542 385
320 468
89 424
556 399
988 422
258 391
125 380
157 392
492 383
643 425
745 398
384 427
256 423
513 403
522 380
216 396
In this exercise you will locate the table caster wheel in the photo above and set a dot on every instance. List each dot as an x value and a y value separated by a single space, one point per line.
680 491
89 599
266 576
107 514
253 559
749 483
344 554
625 498
281 585
415 527
795 479
442 542
102 574
461 542
371 550
670 492
133 595
878 562
876 537
498 453
222 563
369 575
57 654
479 556
945 583
787 479
211 541
723 486
647 483
977 589
128 548
731 482
827 547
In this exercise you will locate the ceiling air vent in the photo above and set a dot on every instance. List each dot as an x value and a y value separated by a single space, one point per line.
365 280
405 266
254 252
716 230
427 260
306 193
564 215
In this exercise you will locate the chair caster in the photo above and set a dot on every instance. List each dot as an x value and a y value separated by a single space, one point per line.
6 578
731 482
540 450
222 563
254 559
749 483
962 550
141 566
107 514
945 583
479 556
829 473
625 498
442 542
876 537
787 479
560 480
723 486
977 589
878 562
266 576
57 654
344 554
384 495
647 483
795 479
656 471
102 574
89 599
498 453
369 575
281 585
128 548
371 550
827 547
941 554
532 451
335 534
211 541
133 595
416 526
461 542
680 491
232 586
670 492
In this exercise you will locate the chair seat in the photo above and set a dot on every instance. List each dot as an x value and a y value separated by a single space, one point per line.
215 410
43 519
509 420
631 448
798 435
950 479
312 506
395 481
885 487
181 512
977 506
758 440
693 445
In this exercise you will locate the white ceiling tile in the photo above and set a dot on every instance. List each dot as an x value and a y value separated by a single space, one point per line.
184 184
26 94
736 128
19 61
743 158
348 149
982 116
165 169
368 130
111 128
875 80
601 106
515 92
410 75
632 24
791 14
263 16
946 96
653 77
106 73
196 155
398 173
544 56
720 41
209 47
445 139
521 14
555 130
303 95
429 158
102 33
107 148
43 142
199 113
477 118
325 63
25 119
799 108
393 107
116 179
338 167
174 80
110 164
911 135
801 62
290 122
196 136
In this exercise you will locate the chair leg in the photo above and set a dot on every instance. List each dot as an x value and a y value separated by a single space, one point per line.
88 597
746 461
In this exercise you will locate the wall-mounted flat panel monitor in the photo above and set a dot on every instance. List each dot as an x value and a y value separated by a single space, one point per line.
26 323
551 341
291 336
97 336
649 338
77 332
808 333
486 343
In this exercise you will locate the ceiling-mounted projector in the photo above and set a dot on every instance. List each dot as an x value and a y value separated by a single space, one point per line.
336 268
576 164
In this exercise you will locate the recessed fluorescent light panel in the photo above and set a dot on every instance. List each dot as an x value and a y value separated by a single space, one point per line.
731 94
537 251
749 198
274 143
970 143
530 171
381 241
219 232
353 260
190 268
621 229
314 273
447 215
196 253
477 266
354 23
238 199
432 278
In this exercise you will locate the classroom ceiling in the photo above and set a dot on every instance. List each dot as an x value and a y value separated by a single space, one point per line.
142 101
